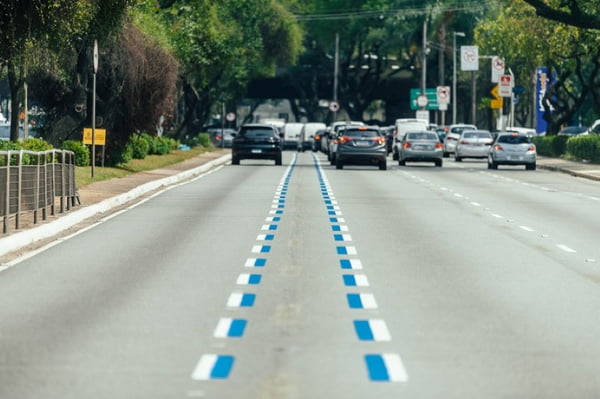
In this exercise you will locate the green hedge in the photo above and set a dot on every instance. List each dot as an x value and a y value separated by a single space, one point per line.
551 146
585 147
81 151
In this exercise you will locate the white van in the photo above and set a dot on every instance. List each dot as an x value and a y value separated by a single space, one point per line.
291 134
307 134
404 125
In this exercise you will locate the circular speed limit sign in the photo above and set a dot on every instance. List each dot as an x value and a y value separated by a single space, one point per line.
334 106
422 101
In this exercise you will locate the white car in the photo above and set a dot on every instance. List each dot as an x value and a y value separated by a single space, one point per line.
452 136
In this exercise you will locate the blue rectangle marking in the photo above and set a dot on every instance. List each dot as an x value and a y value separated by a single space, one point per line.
254 279
363 330
336 228
265 249
377 369
331 212
354 301
269 237
248 300
341 250
222 367
349 280
237 328
338 237
333 220
272 227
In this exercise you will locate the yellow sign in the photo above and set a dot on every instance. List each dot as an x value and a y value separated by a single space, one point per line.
100 136
497 101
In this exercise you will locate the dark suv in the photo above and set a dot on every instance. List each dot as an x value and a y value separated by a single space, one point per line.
256 141
361 145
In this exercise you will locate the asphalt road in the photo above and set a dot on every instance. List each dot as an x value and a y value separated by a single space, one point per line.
304 281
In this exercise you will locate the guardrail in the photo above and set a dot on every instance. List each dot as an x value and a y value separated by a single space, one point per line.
33 182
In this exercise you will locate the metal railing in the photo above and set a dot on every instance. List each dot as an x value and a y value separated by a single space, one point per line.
35 182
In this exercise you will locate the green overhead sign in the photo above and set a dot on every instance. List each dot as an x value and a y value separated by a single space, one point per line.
431 95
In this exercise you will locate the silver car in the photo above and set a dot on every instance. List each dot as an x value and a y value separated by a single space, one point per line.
422 146
473 144
512 149
452 136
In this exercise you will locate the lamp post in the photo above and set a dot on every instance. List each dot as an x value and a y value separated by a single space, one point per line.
453 94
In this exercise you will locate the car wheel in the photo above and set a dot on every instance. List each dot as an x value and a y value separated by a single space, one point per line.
339 164
332 160
278 160
530 166
457 158
492 164
382 165
438 163
235 161
446 154
395 156
401 162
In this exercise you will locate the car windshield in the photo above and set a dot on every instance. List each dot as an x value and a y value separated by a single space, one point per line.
477 135
510 139
257 133
421 136
361 133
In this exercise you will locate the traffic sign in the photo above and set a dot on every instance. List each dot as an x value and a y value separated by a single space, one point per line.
430 94
497 68
497 101
505 86
443 95
99 136
422 101
334 106
230 116
469 58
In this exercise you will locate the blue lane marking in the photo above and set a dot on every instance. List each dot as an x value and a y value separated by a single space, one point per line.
258 262
237 328
272 227
333 220
327 202
363 330
266 237
354 301
246 279
277 219
248 300
254 279
349 280
265 249
377 369
222 367
336 228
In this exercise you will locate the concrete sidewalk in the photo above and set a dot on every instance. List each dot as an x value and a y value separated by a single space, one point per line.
574 168
103 196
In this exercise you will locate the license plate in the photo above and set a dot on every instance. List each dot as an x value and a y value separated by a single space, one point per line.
362 143
256 151
420 147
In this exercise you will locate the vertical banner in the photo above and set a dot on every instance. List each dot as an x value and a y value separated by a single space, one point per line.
469 58
541 79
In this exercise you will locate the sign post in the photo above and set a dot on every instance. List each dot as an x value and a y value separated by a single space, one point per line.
94 107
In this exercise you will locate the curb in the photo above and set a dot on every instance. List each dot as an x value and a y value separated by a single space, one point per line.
22 239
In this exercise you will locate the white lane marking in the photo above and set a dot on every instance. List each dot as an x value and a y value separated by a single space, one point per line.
204 367
361 280
380 330
395 367
475 203
566 248
368 301
526 228
222 329
497 216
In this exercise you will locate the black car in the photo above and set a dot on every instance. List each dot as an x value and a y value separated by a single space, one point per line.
361 145
256 141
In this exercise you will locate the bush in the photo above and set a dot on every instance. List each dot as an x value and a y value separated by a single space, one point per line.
551 146
139 146
37 145
123 155
585 147
81 151
152 143
204 140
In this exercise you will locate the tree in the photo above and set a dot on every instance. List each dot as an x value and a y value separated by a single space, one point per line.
580 13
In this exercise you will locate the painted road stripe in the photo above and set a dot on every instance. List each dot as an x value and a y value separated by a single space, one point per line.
239 299
255 262
261 249
336 227
372 330
265 237
342 237
248 279
566 248
337 220
386 367
355 280
273 219
275 212
346 250
355 264
269 227
213 367
361 301
230 328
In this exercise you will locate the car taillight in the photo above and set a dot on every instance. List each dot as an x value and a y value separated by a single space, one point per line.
464 142
438 145
345 139
406 145
531 148
317 137
379 140
498 147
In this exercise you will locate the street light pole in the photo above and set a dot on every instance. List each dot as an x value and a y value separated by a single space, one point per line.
453 94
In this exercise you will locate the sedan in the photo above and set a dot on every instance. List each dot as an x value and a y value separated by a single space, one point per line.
473 144
512 149
256 141
452 136
361 145
420 147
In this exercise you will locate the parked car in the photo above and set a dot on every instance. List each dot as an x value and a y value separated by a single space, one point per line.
404 125
5 132
473 144
452 136
574 131
595 128
256 141
512 148
307 134
361 145
423 146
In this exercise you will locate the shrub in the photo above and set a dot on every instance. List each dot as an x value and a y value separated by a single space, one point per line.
585 147
152 143
204 139
34 144
551 146
123 155
81 151
139 146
